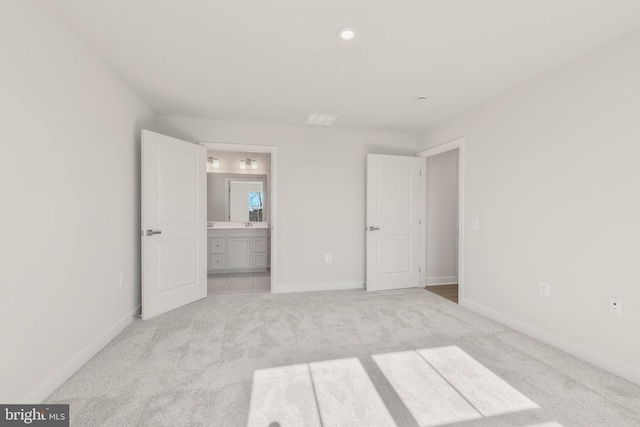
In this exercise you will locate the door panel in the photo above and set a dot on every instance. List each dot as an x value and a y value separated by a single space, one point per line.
177 185
393 221
394 191
394 254
174 256
173 274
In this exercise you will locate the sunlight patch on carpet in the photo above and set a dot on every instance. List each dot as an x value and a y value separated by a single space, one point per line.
285 396
345 393
548 424
438 386
486 391
428 396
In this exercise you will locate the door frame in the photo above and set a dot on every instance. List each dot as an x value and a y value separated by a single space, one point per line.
273 195
457 143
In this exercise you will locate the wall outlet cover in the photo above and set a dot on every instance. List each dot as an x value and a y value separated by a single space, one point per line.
545 289
615 307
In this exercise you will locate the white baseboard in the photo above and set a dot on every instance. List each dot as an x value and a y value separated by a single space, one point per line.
608 363
315 287
55 380
445 280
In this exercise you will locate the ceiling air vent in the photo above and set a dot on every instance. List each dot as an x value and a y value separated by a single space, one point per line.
321 119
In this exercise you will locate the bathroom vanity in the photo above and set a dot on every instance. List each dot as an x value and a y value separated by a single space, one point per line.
236 247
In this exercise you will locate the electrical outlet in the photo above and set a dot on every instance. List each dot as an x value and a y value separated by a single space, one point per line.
327 257
121 279
615 307
545 289
475 223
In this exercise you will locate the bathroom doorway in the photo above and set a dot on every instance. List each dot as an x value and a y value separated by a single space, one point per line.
239 221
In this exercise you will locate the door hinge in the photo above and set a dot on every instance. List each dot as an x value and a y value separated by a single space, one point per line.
420 221
419 269
420 173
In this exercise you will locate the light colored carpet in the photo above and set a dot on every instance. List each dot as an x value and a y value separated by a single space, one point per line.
196 366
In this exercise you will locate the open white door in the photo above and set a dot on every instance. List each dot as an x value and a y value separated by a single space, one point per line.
393 221
174 230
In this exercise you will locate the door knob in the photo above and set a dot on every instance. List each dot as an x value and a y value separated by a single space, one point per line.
372 228
152 232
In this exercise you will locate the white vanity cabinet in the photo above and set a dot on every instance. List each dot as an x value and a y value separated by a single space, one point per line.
238 250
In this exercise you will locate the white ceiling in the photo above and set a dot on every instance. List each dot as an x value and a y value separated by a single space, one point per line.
278 61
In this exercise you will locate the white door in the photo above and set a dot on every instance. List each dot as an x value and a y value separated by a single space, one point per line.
393 221
174 229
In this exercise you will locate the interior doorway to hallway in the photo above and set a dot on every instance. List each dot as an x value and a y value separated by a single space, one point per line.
443 218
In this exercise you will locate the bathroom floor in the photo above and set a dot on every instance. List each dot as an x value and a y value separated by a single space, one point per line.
238 283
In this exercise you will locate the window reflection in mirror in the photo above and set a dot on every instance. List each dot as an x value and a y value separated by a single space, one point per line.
255 206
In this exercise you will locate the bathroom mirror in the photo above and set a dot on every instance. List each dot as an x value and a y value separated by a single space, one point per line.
246 200
237 197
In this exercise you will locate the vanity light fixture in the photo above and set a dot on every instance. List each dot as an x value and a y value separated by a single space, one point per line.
253 164
212 164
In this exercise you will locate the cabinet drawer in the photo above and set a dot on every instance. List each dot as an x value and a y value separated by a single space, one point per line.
259 260
217 262
217 246
259 244
216 233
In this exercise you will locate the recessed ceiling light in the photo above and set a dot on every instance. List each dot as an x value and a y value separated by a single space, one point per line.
346 33
421 98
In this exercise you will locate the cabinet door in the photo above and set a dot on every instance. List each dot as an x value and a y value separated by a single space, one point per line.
260 260
238 252
260 244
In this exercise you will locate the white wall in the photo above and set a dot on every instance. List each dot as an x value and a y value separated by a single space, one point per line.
442 218
552 174
321 192
69 216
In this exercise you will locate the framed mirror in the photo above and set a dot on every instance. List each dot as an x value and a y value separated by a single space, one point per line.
246 200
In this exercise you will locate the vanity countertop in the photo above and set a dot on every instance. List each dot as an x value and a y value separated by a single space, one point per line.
236 225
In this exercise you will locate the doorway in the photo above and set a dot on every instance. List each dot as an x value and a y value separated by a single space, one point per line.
443 249
240 219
